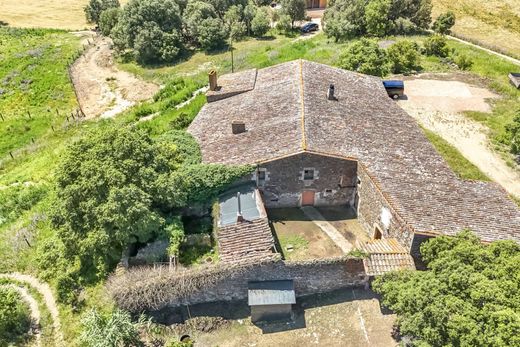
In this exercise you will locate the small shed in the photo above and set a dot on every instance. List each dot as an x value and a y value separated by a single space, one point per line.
271 300
514 77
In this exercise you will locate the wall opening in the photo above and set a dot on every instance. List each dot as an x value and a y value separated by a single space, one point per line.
378 235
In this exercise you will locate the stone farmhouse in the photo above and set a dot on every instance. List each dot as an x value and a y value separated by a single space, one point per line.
348 145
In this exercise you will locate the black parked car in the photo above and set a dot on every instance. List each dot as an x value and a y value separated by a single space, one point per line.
308 27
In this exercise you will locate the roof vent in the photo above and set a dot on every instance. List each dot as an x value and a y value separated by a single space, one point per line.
330 93
212 80
238 127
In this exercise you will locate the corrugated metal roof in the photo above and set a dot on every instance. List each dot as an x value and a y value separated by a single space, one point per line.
386 255
229 205
271 293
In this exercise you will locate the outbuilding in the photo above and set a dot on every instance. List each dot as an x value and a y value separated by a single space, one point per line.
271 300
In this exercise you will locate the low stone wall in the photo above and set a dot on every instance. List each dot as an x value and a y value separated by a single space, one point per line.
152 290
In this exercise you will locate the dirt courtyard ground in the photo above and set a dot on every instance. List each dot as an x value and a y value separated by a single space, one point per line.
346 318
437 102
299 237
103 90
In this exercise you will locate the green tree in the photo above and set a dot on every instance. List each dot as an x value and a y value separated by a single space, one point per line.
513 133
260 24
111 330
444 23
95 7
152 28
15 320
283 25
376 17
295 9
108 20
404 56
108 187
344 19
204 25
366 57
436 45
467 297
416 12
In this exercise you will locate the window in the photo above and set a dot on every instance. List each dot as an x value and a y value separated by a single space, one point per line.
308 174
261 176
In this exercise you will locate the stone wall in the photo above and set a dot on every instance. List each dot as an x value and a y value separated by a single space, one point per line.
153 290
334 180
310 277
375 211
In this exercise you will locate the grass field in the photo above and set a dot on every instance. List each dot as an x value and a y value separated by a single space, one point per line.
491 23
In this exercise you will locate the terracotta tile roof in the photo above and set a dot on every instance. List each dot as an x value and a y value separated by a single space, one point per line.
288 112
246 241
385 256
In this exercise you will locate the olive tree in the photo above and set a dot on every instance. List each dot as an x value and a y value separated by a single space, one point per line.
260 24
444 23
366 57
404 56
295 9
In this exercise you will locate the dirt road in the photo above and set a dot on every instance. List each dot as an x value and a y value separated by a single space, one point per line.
103 90
437 105
48 297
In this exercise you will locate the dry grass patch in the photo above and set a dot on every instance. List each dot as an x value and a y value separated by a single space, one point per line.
492 23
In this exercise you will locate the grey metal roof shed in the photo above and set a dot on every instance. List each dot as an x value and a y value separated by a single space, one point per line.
271 300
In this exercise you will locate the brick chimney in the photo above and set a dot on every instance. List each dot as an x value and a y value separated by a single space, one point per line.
212 80
238 127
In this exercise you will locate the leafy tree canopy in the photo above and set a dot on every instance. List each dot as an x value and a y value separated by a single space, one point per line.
295 9
366 57
346 19
404 56
260 24
436 45
444 23
15 320
95 7
469 295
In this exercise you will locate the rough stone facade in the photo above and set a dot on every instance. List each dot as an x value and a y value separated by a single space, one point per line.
282 181
374 211
310 277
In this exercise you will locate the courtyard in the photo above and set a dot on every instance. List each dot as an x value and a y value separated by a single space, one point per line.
299 237
349 317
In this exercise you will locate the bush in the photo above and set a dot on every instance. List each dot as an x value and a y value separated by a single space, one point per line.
283 25
513 133
444 23
115 329
260 24
366 57
15 318
95 7
404 56
436 45
376 17
108 20
463 61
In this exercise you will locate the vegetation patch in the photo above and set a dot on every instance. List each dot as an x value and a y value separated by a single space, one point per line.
15 320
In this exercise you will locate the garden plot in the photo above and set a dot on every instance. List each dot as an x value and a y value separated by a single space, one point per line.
438 105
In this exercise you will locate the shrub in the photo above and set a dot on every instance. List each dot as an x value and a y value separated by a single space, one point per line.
15 319
108 20
513 133
260 24
463 61
444 23
436 45
404 56
115 329
376 17
366 57
283 25
95 7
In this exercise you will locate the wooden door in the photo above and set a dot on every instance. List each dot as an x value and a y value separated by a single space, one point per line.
308 197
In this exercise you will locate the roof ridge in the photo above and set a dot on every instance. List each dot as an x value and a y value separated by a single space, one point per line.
302 108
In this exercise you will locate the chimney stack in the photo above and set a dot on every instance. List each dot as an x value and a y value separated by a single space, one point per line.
212 80
330 93
238 127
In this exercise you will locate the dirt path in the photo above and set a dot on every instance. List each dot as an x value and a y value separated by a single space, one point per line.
103 90
35 311
437 105
48 297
